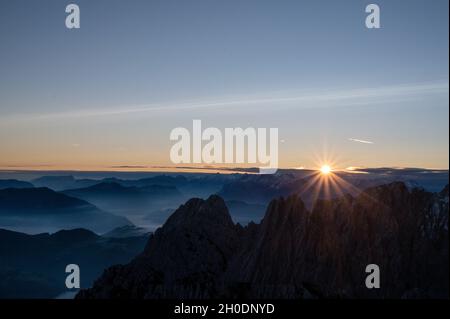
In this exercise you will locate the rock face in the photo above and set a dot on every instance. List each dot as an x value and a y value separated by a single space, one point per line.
294 252
326 251
186 258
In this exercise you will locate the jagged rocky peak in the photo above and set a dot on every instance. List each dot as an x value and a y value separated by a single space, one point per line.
392 194
185 258
294 253
329 248
202 228
284 210
198 212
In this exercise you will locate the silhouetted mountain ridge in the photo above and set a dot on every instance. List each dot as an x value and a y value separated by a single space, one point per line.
294 252
33 266
109 188
37 198
13 183
35 210
127 231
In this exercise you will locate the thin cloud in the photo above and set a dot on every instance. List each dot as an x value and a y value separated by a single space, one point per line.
360 141
327 98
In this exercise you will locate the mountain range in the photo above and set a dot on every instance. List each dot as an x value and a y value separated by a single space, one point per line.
33 266
35 210
13 183
295 252
147 199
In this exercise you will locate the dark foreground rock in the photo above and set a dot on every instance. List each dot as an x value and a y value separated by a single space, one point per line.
294 252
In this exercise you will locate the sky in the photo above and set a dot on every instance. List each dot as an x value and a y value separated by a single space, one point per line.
109 94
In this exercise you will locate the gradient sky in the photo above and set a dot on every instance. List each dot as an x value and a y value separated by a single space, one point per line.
109 93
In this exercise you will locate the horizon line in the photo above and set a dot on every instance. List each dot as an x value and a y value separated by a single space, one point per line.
231 170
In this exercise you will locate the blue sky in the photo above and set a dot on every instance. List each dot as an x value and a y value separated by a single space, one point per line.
110 92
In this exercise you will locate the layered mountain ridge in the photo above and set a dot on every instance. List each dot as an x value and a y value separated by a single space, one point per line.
37 210
33 266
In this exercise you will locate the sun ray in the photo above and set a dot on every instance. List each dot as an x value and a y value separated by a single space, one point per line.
327 182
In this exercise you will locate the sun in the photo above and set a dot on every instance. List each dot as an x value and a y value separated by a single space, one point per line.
325 169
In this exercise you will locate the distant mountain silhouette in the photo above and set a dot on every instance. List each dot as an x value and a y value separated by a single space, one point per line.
294 252
113 188
36 198
33 266
160 180
128 200
254 189
59 183
42 209
261 189
13 183
104 188
127 231
157 218
201 185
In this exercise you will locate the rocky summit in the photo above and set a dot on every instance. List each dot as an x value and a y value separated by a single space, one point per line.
294 252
